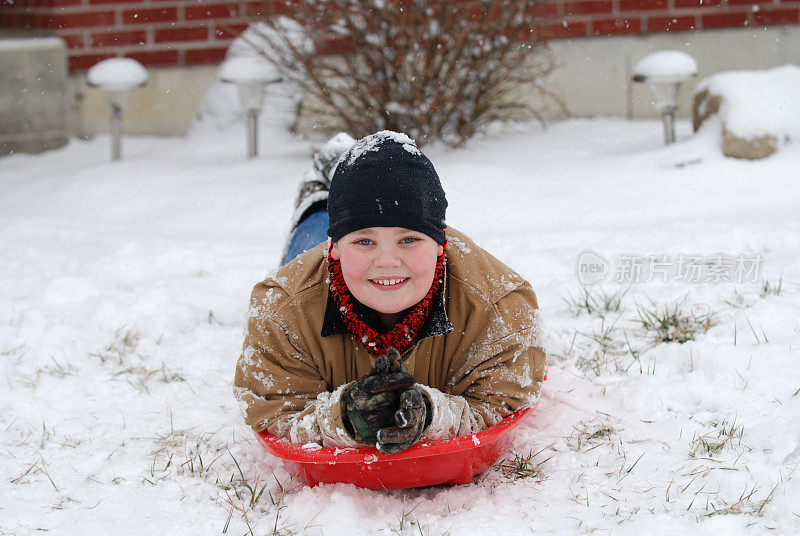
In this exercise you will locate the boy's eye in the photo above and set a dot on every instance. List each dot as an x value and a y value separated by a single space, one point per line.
409 240
364 242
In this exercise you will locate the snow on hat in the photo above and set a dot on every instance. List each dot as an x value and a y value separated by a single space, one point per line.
384 180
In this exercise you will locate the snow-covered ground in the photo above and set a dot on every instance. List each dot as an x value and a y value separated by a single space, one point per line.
124 289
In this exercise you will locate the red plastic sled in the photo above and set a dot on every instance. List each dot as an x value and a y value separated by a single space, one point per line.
446 461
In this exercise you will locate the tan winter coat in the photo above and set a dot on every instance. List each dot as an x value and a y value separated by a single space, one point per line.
289 378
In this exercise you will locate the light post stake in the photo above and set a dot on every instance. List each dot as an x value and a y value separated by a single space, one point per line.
664 72
117 77
116 132
252 133
251 74
668 118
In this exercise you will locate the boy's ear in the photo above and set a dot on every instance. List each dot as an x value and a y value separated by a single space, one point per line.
335 251
440 250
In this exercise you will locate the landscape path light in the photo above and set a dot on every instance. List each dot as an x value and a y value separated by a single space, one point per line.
664 71
117 77
251 74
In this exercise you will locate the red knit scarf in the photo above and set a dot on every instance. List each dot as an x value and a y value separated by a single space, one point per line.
402 334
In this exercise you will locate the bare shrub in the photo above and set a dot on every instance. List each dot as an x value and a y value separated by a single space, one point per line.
434 69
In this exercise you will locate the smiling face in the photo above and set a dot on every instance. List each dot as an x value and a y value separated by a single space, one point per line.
388 269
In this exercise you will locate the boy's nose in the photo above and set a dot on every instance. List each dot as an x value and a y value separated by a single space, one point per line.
387 258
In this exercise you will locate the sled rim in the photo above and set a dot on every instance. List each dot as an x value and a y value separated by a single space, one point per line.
316 454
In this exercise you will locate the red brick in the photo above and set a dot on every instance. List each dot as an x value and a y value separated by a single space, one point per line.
23 21
588 6
520 35
636 5
115 1
138 16
723 20
616 26
547 8
156 57
196 33
670 24
765 17
110 39
253 9
279 7
73 40
560 30
62 3
81 62
212 11
81 20
41 20
337 45
698 3
206 55
229 31
747 2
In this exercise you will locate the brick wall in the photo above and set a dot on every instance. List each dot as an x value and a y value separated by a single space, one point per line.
579 18
154 32
188 32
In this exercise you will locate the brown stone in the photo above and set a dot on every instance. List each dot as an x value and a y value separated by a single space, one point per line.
704 105
751 149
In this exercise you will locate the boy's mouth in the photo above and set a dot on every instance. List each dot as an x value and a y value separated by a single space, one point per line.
389 283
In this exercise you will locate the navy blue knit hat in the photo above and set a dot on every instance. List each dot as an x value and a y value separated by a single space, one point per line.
384 180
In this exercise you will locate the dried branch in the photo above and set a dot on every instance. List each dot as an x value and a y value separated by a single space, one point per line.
435 69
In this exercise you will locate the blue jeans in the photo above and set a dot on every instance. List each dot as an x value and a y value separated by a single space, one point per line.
313 230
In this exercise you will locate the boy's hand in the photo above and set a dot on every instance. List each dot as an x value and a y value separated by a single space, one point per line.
371 401
410 422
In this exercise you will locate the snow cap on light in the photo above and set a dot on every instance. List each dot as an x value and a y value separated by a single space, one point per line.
384 180
117 74
670 66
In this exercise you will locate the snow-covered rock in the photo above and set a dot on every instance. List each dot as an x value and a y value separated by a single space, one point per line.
759 110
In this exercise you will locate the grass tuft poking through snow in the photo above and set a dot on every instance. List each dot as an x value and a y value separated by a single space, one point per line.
674 322
595 301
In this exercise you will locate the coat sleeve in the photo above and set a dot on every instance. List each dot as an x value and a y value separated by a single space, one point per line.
501 372
278 384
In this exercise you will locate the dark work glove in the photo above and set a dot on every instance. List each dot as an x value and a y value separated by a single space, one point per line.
410 421
371 402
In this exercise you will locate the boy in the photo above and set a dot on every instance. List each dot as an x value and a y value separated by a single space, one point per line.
399 329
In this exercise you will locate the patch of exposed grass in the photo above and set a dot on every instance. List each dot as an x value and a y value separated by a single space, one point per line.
723 435
243 494
606 351
123 345
186 453
592 432
127 364
739 300
595 301
674 322
770 288
521 467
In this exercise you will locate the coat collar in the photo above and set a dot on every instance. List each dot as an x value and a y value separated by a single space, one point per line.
436 324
